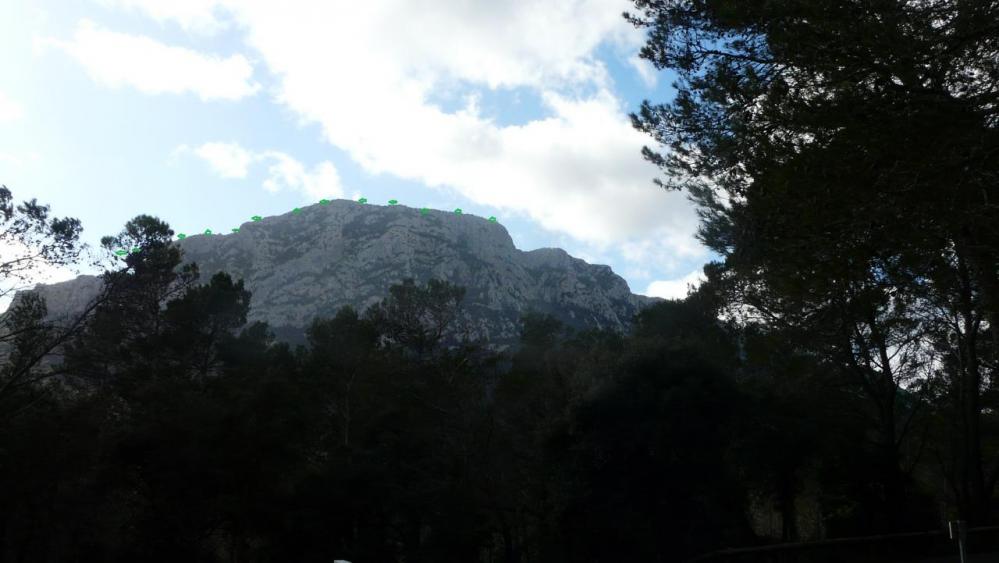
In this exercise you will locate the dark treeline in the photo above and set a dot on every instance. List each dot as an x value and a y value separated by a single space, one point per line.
170 430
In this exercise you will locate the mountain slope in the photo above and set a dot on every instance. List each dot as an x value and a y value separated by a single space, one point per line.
309 263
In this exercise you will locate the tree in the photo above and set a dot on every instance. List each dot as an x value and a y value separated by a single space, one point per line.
417 318
836 152
525 482
201 320
651 451
125 330
32 241
540 330
342 354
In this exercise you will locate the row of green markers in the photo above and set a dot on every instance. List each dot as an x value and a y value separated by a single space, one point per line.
181 236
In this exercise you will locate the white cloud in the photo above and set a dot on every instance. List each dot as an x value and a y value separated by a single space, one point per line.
578 171
231 160
228 160
198 16
646 71
119 59
366 72
675 289
10 110
288 173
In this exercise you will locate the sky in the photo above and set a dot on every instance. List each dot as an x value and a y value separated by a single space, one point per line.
207 112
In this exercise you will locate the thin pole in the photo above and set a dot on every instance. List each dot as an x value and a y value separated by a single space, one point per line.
961 535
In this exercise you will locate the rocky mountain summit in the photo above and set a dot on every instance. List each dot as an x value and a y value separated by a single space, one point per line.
317 259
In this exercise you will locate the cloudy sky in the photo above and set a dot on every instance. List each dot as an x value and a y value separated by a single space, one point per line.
206 112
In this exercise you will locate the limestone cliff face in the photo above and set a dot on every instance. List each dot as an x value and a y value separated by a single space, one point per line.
311 263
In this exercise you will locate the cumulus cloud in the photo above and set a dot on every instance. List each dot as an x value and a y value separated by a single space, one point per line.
646 71
284 172
675 289
288 173
120 59
228 160
507 43
366 72
578 171
199 16
9 109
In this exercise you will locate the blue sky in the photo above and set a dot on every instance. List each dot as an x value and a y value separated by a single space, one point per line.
206 112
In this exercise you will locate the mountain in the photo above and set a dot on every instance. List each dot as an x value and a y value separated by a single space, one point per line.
317 259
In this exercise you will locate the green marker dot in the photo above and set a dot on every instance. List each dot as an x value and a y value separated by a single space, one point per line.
182 236
363 200
121 252
235 229
457 211
256 217
296 210
136 249
424 211
208 231
323 201
492 218
393 201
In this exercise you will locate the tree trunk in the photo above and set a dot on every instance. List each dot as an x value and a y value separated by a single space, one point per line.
976 503
788 510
